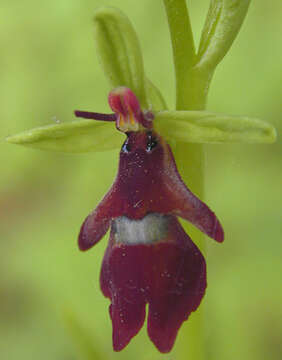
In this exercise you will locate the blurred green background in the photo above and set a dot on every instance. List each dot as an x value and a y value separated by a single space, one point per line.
49 67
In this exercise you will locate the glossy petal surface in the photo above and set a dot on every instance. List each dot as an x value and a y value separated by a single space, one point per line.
169 274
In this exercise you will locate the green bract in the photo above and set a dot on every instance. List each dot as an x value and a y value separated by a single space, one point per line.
222 25
121 58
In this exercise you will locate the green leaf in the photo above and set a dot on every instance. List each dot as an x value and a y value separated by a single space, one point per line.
208 127
77 136
119 51
222 25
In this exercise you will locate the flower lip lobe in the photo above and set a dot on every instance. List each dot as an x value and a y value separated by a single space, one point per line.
169 275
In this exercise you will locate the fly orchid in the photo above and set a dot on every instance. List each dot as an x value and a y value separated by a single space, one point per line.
149 259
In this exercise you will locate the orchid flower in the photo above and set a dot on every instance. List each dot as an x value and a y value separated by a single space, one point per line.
150 258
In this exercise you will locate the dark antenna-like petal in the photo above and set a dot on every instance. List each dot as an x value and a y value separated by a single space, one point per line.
95 116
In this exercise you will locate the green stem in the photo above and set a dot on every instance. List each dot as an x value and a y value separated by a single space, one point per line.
192 81
190 95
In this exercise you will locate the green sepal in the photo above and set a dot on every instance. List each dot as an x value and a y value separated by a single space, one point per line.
119 51
223 22
208 127
75 137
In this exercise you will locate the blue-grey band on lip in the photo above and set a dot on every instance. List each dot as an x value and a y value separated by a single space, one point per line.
150 229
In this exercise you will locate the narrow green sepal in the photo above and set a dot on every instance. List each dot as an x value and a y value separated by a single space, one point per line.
223 22
208 127
75 137
119 51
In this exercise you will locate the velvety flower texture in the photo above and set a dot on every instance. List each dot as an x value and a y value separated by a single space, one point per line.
149 258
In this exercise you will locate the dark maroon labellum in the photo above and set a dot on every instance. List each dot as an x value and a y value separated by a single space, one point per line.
149 259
